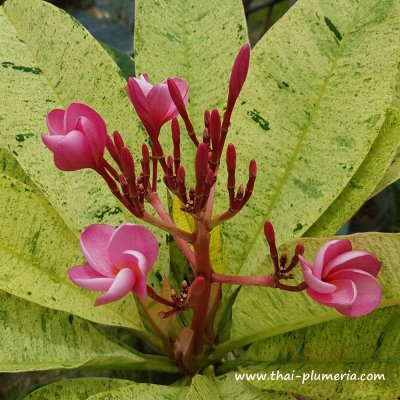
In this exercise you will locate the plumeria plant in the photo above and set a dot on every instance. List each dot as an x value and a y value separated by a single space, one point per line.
195 256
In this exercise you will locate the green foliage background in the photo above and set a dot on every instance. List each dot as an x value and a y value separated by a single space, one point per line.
318 112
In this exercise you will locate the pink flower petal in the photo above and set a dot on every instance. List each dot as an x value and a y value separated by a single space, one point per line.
123 283
72 152
144 84
345 294
160 102
137 262
77 110
55 122
133 237
51 141
327 253
96 139
87 278
140 104
361 260
95 241
369 292
137 259
312 281
184 91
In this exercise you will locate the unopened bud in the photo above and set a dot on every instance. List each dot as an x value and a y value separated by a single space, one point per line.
299 250
269 232
176 132
231 158
128 164
119 142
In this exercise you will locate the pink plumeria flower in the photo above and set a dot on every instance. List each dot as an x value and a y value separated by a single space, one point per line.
153 103
343 278
119 260
77 137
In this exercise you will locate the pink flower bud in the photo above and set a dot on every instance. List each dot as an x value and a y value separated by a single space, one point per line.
118 141
154 104
252 170
118 261
239 72
78 137
215 129
176 132
231 158
181 175
128 165
269 232
343 278
201 162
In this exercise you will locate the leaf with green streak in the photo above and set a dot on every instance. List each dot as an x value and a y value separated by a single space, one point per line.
77 389
373 169
368 344
392 174
142 391
10 167
266 312
123 60
74 342
36 250
199 45
202 388
314 102
48 59
372 337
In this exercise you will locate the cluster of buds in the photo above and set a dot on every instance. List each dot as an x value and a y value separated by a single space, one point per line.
119 259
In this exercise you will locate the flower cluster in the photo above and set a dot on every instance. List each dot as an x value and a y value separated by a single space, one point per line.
119 259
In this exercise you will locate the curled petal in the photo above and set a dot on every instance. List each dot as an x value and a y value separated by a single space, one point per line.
312 281
87 278
161 107
122 285
361 260
95 240
96 139
133 237
55 122
78 110
369 292
72 152
51 141
344 295
144 84
327 253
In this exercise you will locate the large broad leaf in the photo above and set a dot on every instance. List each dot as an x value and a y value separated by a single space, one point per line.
375 167
265 312
77 389
47 61
319 86
363 345
74 342
36 250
